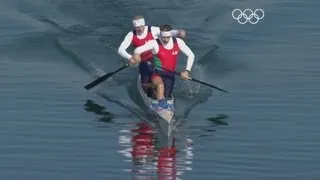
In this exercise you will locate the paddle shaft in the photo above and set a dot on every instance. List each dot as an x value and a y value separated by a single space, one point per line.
196 80
104 77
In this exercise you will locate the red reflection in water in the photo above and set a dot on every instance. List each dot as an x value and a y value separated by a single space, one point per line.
143 141
144 153
166 163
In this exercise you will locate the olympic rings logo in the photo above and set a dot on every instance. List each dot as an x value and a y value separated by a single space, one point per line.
248 15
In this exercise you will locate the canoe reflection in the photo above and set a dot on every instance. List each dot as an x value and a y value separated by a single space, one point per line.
151 155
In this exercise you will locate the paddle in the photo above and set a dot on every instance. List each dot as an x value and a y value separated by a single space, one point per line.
104 77
196 80
210 85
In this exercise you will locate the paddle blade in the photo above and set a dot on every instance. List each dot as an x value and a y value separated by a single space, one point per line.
104 77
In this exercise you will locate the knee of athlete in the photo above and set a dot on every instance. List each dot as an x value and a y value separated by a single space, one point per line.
160 87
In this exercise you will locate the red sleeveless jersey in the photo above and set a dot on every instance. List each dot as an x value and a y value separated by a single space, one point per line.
167 59
136 42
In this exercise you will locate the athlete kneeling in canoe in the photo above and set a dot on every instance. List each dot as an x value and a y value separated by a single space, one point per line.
138 37
166 50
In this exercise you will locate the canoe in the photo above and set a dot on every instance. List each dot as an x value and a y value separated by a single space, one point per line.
163 116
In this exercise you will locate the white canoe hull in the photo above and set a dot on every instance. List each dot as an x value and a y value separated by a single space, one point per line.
163 116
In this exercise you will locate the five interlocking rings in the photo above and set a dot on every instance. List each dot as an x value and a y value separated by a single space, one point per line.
247 15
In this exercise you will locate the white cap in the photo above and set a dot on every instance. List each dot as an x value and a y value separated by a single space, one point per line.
138 22
165 33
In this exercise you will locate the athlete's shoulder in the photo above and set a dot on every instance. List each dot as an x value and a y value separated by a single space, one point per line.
155 29
153 41
130 33
181 43
179 40
128 38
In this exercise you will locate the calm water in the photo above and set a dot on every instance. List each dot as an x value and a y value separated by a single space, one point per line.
52 128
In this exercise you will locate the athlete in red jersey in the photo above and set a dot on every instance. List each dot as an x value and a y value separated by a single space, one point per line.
166 50
138 37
